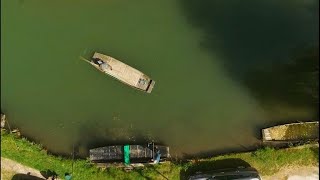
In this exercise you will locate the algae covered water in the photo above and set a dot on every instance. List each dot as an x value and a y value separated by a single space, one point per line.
223 71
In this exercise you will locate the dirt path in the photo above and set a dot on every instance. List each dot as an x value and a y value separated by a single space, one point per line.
14 168
295 173
9 168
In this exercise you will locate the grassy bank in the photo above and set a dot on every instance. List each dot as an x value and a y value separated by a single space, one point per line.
267 161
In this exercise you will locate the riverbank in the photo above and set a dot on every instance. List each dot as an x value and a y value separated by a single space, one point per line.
267 161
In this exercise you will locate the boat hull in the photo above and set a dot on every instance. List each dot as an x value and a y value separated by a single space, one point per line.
138 153
292 132
124 73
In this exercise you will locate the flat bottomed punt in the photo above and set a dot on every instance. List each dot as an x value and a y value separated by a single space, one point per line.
292 132
122 72
135 153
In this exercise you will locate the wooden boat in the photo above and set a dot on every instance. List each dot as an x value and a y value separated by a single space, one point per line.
129 153
292 132
122 72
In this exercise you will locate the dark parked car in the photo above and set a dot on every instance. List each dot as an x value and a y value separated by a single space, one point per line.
227 174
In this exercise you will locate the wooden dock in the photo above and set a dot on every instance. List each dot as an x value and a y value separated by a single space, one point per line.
292 132
124 73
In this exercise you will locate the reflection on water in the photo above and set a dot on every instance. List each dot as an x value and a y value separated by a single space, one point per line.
223 70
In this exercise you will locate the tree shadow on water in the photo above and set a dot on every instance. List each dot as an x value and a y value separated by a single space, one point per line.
204 166
296 82
261 43
253 32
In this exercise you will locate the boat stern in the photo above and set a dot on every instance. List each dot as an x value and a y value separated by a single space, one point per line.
151 85
266 136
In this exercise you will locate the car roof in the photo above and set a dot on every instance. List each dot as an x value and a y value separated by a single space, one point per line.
234 173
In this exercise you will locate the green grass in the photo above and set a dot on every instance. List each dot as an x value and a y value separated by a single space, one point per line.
267 161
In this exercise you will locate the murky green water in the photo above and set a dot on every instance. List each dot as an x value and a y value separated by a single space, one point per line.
218 66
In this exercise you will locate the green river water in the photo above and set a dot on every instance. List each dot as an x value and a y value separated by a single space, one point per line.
220 71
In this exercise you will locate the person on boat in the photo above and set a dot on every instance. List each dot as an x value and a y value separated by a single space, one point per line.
102 64
98 61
